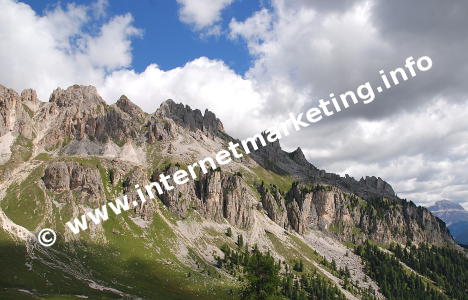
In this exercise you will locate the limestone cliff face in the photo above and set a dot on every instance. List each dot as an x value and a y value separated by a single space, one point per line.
210 190
160 130
65 176
130 179
180 199
190 119
79 112
216 195
237 201
353 219
16 111
74 184
274 205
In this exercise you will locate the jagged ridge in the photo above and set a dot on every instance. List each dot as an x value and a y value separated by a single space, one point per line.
78 152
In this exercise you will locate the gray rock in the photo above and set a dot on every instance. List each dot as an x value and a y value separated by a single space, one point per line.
193 120
68 176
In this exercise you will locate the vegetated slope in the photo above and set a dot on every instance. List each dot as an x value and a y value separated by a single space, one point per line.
394 280
75 153
444 266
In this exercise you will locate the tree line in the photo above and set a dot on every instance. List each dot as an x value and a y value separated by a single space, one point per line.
265 278
394 280
447 267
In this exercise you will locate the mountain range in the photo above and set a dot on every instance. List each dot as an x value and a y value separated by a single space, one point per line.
62 158
455 217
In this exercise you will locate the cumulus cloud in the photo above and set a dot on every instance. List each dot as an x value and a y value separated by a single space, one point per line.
111 49
56 49
99 8
203 14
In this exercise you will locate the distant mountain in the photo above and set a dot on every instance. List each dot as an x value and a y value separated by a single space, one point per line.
455 217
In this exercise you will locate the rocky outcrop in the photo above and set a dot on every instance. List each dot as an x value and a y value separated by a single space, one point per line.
80 113
180 199
216 196
77 96
193 120
68 176
227 195
377 184
273 158
351 218
137 178
8 101
298 156
160 129
127 106
274 205
75 113
211 193
294 163
237 201
15 114
402 223
29 95
316 208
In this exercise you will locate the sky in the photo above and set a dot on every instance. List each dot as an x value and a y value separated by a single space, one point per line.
253 62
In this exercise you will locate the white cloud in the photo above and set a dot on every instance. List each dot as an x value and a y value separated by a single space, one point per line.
313 51
111 49
99 8
255 30
54 50
465 205
203 14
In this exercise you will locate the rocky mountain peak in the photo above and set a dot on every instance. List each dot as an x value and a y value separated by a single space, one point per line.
272 151
192 119
6 93
378 184
76 95
29 95
455 217
298 156
15 112
445 205
126 105
26 95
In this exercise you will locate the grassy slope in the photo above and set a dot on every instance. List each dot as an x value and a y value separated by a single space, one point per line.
135 262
